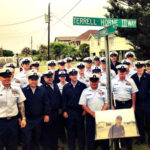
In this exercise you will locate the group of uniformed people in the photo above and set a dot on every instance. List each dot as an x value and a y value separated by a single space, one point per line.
38 108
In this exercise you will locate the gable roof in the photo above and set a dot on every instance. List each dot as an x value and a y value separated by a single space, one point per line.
86 34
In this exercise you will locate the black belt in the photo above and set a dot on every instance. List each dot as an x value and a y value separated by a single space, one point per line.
123 102
9 118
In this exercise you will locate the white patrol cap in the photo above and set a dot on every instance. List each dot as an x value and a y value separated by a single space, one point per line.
48 73
96 58
62 74
72 71
10 65
126 62
33 74
80 65
122 67
94 77
62 62
68 59
88 60
51 63
6 72
26 60
113 53
103 59
147 62
139 64
129 54
35 63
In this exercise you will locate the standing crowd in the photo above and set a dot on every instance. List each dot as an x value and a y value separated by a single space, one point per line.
40 108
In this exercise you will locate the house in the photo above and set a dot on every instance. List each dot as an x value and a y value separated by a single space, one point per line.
65 39
97 45
83 38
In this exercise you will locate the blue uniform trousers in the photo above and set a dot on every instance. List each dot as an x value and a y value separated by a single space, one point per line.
142 114
31 134
75 128
90 135
9 133
50 132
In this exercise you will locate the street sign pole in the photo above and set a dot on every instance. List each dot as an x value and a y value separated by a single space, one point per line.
108 75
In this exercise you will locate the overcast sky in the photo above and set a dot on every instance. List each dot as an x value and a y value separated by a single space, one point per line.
16 37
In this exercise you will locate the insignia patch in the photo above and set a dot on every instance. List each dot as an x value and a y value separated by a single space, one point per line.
101 92
15 91
128 83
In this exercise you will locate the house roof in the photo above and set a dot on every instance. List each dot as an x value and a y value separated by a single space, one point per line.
65 38
86 34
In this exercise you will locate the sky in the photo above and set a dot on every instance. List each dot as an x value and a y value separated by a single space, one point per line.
16 37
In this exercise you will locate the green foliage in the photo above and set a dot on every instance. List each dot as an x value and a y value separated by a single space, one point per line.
57 51
84 50
133 9
26 52
8 53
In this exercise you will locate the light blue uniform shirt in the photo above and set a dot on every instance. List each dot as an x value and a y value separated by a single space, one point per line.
122 90
9 98
95 100
21 76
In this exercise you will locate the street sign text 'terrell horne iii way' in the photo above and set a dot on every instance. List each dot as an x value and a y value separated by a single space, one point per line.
87 21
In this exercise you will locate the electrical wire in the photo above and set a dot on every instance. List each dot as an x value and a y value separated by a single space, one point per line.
17 23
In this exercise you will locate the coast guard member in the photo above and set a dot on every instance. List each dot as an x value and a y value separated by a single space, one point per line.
11 98
93 99
13 66
130 56
61 65
73 112
142 112
81 73
51 65
103 72
51 129
61 84
114 62
21 76
35 65
129 71
124 94
148 66
37 111
88 66
97 62
68 61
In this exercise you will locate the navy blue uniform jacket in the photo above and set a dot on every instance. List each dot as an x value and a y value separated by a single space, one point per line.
36 104
71 97
143 86
54 96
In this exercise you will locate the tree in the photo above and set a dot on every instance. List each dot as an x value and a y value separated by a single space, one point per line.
84 50
26 51
8 53
43 52
133 9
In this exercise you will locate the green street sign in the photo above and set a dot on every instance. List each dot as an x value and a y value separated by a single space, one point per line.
106 31
87 21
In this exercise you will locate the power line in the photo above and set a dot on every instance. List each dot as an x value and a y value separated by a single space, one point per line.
68 11
29 20
64 24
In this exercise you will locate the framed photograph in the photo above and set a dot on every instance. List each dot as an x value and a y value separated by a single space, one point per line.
113 124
